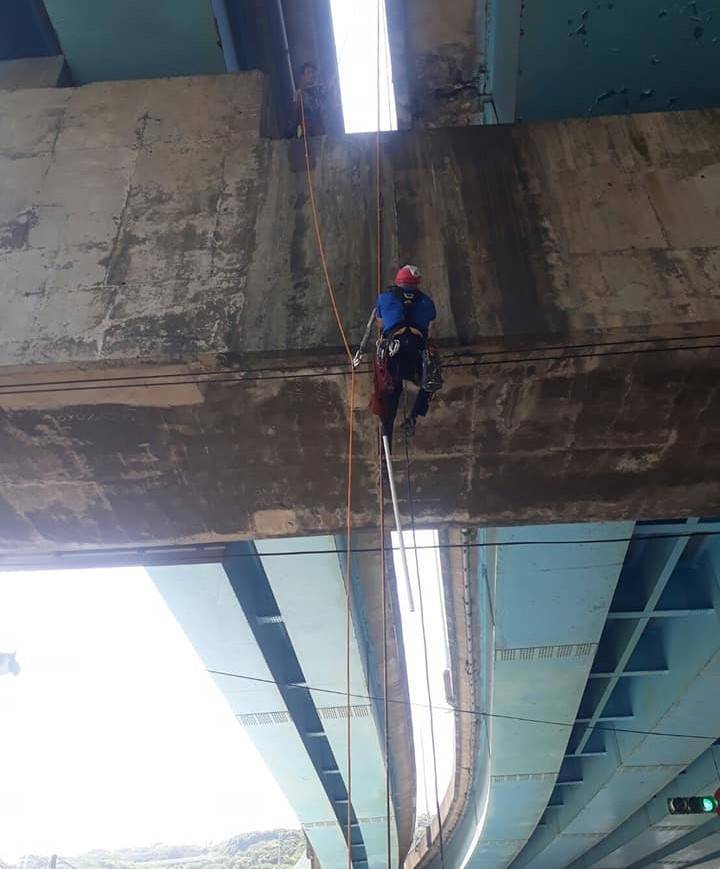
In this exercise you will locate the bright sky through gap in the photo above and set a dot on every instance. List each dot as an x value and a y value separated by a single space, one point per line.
113 733
355 23
435 628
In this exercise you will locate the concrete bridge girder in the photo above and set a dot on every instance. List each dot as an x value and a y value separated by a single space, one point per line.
148 242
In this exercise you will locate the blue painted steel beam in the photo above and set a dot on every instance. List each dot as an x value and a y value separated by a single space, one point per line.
25 30
104 40
663 614
712 828
659 671
638 764
640 833
586 754
205 606
255 595
541 609
502 58
579 59
227 40
658 581
316 629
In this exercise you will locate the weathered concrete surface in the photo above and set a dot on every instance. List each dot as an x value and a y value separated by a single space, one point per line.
146 229
439 48
33 72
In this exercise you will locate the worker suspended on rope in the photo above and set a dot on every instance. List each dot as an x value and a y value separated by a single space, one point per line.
403 315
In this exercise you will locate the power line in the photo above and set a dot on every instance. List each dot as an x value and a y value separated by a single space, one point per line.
475 545
218 552
154 381
457 709
302 369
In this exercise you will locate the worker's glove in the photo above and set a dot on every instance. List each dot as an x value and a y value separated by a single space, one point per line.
357 359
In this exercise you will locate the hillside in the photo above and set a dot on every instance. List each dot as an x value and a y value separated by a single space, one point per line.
260 850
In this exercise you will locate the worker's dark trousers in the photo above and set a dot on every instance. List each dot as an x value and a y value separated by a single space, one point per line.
406 364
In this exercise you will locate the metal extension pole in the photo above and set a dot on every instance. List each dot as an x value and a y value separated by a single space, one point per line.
398 524
222 19
286 45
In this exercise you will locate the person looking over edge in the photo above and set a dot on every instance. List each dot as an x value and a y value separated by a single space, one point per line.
311 97
403 315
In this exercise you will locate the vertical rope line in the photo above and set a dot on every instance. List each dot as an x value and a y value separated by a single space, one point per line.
384 603
348 579
318 235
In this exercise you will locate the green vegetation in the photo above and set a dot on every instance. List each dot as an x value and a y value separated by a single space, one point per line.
274 849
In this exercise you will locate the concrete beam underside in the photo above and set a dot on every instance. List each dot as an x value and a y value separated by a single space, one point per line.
146 229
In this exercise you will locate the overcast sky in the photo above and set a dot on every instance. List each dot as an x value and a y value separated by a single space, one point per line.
435 629
356 38
113 733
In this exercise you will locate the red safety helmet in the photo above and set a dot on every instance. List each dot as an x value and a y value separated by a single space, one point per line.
408 276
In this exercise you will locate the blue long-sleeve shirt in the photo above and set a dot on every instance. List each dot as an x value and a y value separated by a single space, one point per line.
400 306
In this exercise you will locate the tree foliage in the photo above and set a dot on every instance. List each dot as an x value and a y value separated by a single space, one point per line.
273 849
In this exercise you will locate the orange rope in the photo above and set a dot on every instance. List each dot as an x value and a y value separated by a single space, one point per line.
351 403
318 235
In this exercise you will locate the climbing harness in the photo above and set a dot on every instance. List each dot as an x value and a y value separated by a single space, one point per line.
386 348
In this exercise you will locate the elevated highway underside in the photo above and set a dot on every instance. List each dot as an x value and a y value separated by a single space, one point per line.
169 365
173 390
271 628
595 655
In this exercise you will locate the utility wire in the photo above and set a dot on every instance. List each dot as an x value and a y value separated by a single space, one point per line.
301 370
680 535
456 709
221 556
241 377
